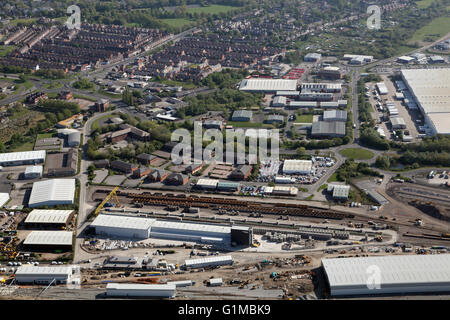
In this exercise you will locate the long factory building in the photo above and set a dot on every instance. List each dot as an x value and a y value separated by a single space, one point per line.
123 226
399 274
431 91
22 158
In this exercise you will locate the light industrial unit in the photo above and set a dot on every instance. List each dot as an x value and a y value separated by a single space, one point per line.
335 115
397 274
33 172
297 166
56 219
140 290
49 240
22 158
52 192
339 191
44 275
207 183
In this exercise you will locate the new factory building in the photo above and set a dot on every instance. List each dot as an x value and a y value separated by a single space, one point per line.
44 275
22 158
123 226
52 192
400 274
431 91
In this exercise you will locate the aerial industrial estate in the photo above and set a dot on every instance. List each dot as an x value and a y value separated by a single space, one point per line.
352 201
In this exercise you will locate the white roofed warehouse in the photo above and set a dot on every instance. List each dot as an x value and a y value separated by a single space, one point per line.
48 219
268 85
43 275
22 158
49 241
399 274
431 91
52 192
140 290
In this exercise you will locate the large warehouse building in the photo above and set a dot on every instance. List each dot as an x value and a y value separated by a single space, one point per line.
123 226
44 275
22 158
52 192
401 274
268 85
431 91
48 219
48 241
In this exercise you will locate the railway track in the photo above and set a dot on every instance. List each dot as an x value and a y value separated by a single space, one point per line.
426 236
212 203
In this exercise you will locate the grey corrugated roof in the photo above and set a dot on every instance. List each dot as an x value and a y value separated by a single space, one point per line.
396 270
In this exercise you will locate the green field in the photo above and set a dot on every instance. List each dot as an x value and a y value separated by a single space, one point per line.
177 23
16 21
79 96
24 147
333 178
436 29
357 153
212 9
174 83
45 135
423 4
4 50
304 118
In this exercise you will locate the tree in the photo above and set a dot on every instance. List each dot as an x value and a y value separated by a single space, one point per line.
301 151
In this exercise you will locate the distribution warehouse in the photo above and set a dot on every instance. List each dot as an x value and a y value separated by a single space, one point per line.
431 91
397 274
142 228
268 85
52 192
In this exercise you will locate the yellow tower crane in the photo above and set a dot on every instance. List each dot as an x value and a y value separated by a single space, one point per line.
111 195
